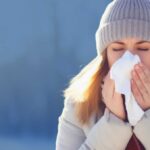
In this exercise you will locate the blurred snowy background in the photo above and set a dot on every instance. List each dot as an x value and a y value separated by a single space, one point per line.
43 44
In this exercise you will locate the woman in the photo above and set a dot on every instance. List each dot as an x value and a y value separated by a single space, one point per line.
94 116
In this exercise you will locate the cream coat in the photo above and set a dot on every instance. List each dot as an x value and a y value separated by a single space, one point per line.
107 133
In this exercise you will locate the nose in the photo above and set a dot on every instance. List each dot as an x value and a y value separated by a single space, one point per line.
131 50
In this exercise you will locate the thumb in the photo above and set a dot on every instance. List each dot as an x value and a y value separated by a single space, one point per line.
107 76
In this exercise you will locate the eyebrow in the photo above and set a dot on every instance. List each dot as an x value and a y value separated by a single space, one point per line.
140 42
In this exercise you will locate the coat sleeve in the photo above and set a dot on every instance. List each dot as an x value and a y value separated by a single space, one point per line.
142 129
108 133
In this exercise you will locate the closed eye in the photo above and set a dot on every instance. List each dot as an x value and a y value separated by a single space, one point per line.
143 49
115 49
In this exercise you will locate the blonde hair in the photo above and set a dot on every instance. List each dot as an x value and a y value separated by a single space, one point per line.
85 88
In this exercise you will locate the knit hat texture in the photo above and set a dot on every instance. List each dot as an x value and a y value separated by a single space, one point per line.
121 19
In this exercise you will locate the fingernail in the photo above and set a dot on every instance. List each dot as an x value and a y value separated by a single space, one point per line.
132 81
134 74
141 65
137 67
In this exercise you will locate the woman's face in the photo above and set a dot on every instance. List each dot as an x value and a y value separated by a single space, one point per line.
136 46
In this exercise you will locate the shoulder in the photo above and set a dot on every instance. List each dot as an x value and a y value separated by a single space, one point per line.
69 116
69 113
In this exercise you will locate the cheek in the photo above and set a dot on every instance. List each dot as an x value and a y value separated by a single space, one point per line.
112 57
145 59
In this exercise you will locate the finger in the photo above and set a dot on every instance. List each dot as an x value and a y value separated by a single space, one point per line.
143 77
117 95
146 70
108 87
106 77
139 85
136 93
102 85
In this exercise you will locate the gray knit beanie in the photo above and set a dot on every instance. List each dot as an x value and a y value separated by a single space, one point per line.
121 19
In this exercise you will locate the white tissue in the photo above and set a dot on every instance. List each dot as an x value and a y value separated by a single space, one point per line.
120 72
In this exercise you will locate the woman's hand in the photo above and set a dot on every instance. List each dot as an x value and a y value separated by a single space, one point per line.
140 85
112 99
